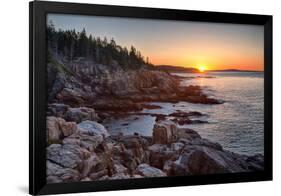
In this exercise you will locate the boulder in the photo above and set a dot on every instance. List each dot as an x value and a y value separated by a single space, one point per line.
147 171
57 109
205 142
181 120
89 142
67 128
57 173
119 168
174 168
89 164
57 129
255 162
134 141
178 169
53 130
185 133
160 153
201 160
164 132
106 162
129 160
81 114
72 114
137 145
92 128
67 155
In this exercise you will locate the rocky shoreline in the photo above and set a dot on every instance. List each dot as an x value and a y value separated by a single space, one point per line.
82 95
106 89
85 151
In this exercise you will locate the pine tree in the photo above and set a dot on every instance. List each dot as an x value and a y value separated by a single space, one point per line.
71 44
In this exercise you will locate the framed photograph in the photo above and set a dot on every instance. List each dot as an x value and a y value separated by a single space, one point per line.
130 97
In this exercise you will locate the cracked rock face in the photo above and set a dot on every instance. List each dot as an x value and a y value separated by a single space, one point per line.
57 173
66 155
164 132
92 128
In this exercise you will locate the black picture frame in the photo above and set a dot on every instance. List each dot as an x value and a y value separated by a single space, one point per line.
37 104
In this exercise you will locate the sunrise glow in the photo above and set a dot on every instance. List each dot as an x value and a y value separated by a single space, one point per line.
179 43
201 68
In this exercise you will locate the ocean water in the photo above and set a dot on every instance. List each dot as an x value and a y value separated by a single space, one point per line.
237 124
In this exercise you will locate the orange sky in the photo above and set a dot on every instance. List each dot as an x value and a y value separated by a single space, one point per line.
229 47
180 43
212 54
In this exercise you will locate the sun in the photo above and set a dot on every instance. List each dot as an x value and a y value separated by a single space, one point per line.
201 68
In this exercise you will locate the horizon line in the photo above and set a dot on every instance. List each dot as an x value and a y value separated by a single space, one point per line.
192 67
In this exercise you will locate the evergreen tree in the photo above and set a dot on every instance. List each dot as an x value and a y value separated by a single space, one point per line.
70 44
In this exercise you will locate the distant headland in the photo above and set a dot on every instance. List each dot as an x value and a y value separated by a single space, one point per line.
175 68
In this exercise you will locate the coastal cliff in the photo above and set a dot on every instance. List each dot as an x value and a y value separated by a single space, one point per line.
110 88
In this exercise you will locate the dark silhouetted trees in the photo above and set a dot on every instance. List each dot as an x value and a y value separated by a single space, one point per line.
72 45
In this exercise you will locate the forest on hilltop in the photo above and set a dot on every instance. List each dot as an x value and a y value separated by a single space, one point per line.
73 45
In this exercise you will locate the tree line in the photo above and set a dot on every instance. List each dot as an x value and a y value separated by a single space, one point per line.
73 45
